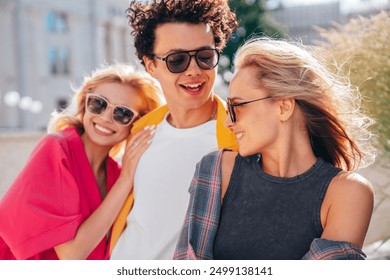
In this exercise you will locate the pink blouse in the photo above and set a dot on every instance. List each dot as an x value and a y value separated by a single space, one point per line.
54 193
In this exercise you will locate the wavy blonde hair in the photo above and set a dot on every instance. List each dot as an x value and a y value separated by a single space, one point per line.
147 87
337 127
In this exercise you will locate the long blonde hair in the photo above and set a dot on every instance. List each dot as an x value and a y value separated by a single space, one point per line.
147 87
337 128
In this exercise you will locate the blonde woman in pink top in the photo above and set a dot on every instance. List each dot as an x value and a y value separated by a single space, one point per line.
64 201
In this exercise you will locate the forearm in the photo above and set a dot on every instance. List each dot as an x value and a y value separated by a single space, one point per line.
96 226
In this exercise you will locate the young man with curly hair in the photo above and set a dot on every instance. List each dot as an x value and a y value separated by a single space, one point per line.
179 43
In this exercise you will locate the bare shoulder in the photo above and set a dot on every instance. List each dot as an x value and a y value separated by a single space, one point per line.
349 190
228 159
346 184
347 208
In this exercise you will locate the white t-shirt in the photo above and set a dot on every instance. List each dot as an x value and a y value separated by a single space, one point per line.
161 197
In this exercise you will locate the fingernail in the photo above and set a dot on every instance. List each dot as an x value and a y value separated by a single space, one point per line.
152 127
147 127
153 132
149 141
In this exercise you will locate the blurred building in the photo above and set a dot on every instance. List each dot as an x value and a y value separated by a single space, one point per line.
47 44
300 20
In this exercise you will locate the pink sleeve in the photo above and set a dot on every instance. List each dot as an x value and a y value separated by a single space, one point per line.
41 208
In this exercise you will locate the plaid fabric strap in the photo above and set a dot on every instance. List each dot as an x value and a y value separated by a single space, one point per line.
202 218
322 249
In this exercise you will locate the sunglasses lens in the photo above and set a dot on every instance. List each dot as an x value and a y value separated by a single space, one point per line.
231 110
178 62
96 105
207 59
123 115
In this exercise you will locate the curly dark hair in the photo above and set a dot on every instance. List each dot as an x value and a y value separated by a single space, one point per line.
145 17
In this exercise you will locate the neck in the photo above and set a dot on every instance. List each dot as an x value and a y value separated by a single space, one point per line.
187 118
290 156
284 166
97 157
96 154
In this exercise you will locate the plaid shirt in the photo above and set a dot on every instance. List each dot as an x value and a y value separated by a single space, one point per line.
201 223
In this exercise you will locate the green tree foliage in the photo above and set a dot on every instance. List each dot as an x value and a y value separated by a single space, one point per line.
252 19
361 49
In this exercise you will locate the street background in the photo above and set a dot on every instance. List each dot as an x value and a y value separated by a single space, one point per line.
48 46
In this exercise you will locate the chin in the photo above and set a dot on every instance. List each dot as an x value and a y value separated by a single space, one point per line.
246 152
243 152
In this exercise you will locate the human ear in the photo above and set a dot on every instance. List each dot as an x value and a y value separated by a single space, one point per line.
150 66
286 107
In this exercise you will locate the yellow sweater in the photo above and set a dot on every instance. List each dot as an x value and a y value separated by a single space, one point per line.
225 139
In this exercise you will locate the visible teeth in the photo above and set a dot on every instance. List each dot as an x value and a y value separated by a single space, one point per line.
103 129
240 135
193 86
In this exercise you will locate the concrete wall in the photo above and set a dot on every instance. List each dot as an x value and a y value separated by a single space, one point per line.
379 176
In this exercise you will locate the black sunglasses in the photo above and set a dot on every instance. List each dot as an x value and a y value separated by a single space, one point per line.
231 105
179 61
97 104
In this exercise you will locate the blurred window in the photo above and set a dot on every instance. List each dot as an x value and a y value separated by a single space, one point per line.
56 22
59 60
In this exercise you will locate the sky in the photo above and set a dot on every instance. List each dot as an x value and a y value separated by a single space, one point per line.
346 6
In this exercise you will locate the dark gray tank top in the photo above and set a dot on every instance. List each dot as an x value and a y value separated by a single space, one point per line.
267 217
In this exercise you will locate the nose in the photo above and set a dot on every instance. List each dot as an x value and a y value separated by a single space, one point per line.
228 122
107 114
193 69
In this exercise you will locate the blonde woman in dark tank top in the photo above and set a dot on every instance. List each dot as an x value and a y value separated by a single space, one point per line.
291 191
